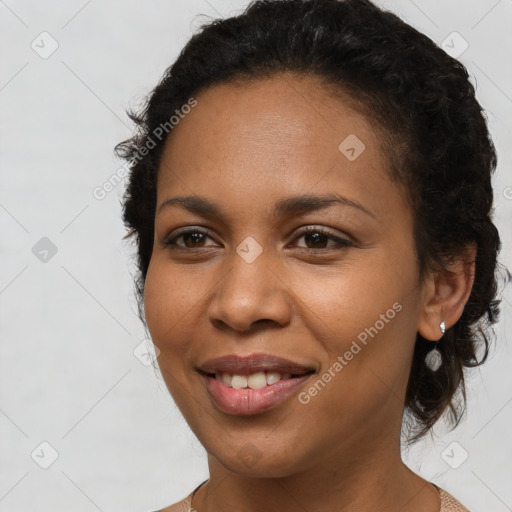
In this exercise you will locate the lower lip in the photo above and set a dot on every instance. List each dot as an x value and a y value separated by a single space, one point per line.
247 401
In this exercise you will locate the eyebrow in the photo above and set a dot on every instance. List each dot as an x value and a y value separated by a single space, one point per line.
295 205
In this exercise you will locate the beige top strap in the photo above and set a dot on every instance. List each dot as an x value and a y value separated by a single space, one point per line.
448 503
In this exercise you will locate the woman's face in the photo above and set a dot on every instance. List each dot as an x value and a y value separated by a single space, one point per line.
246 279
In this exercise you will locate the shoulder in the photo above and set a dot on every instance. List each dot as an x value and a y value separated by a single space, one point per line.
181 506
449 503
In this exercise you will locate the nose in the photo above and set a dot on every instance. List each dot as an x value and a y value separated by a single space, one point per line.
250 296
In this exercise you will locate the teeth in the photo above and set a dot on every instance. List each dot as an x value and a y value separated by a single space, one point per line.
238 382
254 381
257 380
273 377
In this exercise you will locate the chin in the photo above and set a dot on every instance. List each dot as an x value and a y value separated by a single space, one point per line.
258 459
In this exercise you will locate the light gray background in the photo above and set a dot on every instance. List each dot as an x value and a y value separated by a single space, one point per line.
69 376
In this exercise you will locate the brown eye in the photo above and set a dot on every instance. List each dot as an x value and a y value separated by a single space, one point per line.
316 239
192 239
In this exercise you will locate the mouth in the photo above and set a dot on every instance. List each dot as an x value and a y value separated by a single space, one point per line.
250 384
255 380
250 364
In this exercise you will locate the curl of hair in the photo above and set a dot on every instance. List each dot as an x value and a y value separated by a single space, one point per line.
433 132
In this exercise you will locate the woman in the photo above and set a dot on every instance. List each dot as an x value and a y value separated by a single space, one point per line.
310 193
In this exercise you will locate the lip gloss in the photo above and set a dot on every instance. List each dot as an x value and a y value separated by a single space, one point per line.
247 401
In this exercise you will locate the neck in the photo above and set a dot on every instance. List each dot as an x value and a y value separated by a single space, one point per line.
366 476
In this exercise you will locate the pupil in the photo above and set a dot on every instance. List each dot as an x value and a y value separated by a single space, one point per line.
317 237
195 236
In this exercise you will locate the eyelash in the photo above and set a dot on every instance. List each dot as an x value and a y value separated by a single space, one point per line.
341 242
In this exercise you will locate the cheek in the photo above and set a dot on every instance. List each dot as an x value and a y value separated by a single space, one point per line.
367 332
366 314
173 298
155 303
165 302
355 296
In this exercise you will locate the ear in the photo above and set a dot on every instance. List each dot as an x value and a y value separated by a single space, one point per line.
445 294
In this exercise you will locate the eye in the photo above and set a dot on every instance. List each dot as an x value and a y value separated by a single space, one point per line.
318 237
192 239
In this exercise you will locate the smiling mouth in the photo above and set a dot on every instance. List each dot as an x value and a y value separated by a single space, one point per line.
248 384
251 394
256 380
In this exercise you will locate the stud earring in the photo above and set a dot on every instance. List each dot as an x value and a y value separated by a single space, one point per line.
434 359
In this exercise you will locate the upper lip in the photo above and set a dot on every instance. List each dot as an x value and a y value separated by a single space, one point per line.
239 364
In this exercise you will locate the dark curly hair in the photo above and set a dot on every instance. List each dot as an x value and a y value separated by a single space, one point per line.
434 135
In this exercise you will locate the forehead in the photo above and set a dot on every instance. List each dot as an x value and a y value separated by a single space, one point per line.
286 133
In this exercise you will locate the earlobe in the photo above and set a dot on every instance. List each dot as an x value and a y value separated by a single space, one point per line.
446 293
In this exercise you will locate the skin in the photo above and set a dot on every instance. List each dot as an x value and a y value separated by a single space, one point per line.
244 147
